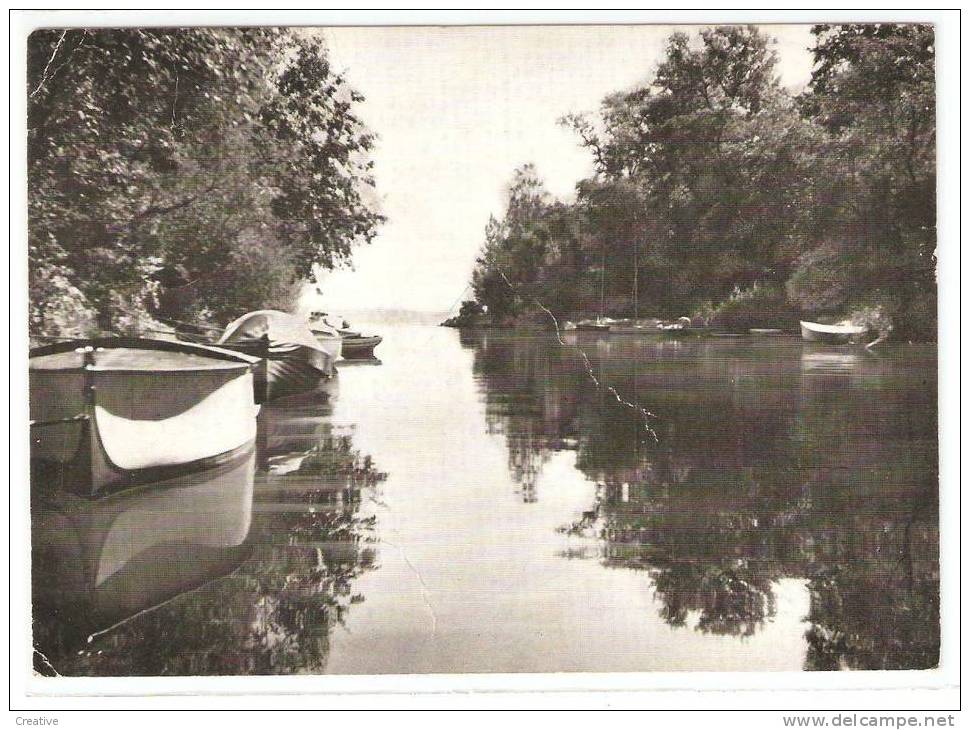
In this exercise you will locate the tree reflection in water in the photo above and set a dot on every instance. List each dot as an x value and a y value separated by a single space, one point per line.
730 601
771 464
309 541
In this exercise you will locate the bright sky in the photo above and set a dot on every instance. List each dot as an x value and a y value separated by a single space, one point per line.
456 110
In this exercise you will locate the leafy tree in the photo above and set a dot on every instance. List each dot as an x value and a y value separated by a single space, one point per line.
515 247
711 181
315 159
873 92
712 145
160 158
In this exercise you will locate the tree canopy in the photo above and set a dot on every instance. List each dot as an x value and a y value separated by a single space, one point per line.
186 173
714 186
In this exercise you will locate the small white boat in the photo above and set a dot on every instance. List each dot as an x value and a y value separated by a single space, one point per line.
330 332
600 324
329 339
833 334
114 412
674 329
295 358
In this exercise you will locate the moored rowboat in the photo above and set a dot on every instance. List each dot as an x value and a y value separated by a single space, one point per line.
831 333
329 340
114 412
330 332
360 347
295 359
340 338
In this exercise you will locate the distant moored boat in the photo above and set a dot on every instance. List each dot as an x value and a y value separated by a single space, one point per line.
831 333
329 339
295 358
593 325
680 328
360 347
114 412
348 342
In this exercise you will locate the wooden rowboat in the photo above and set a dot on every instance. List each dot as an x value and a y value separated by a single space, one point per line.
835 334
111 413
360 347
341 339
295 359
330 341
330 331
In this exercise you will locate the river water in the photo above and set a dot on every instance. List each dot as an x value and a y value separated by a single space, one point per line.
499 502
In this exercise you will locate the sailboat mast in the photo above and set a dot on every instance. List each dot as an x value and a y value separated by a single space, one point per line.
636 270
602 278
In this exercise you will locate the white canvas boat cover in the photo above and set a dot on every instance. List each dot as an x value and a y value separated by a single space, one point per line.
280 327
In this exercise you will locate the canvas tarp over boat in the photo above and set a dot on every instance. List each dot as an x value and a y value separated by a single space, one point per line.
295 358
281 329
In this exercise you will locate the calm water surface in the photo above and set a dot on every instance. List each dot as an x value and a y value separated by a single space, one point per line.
476 503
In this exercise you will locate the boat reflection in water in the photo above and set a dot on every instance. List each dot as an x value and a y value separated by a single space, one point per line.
97 562
822 361
271 548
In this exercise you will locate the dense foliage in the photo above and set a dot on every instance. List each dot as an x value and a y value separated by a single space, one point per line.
712 180
188 174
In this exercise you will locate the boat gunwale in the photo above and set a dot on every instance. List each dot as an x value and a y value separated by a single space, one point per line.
144 343
363 339
242 367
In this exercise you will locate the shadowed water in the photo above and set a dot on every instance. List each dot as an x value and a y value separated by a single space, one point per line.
476 503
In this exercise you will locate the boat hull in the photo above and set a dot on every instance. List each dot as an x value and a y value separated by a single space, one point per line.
360 348
294 370
830 334
332 344
96 430
296 356
285 370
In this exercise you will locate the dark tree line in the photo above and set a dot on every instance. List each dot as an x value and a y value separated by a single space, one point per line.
187 173
717 193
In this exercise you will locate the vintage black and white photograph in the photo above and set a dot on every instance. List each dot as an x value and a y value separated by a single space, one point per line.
423 349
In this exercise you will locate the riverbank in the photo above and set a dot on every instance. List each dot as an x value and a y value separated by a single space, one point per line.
700 326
